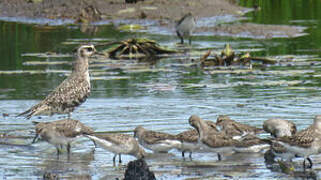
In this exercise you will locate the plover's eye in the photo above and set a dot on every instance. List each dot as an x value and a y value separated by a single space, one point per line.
89 49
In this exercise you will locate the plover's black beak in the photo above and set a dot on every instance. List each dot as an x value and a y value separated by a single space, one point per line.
35 139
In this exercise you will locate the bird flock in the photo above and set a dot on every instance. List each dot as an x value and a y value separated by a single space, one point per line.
221 137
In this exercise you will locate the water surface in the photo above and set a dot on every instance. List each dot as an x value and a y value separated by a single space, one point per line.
160 95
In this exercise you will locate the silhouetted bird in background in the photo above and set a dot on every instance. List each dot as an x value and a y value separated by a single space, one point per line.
185 26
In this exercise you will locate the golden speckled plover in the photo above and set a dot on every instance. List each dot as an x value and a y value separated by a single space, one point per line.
71 93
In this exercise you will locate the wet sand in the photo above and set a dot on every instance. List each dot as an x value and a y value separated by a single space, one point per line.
164 11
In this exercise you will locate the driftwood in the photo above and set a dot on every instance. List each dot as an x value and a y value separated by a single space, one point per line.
228 58
136 48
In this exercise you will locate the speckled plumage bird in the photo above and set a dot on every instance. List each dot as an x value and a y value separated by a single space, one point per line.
189 139
71 93
61 133
119 144
156 141
305 142
279 127
185 26
233 128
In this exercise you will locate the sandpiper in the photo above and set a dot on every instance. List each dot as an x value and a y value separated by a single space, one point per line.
212 141
251 144
156 141
71 93
189 139
185 26
279 127
61 133
119 144
233 128
304 143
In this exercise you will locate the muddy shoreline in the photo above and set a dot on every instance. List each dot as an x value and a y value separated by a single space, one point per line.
166 12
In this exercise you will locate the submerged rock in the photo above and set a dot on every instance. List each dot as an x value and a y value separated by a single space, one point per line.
138 170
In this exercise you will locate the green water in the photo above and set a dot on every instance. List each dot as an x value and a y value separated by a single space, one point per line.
161 95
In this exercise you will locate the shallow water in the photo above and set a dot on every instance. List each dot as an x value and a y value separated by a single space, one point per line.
160 95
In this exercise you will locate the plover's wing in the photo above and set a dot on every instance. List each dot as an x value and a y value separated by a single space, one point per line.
70 93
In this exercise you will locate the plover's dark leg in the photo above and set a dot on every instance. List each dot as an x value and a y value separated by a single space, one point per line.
183 154
58 151
190 40
219 157
181 37
68 149
119 155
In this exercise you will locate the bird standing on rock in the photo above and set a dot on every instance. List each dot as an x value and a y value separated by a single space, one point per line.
71 93
185 26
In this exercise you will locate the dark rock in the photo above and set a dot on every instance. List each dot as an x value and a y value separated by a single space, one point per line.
138 170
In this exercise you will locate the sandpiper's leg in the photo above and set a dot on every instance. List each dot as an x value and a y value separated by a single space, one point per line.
114 159
58 151
310 161
183 154
35 138
219 157
181 37
119 155
190 155
190 40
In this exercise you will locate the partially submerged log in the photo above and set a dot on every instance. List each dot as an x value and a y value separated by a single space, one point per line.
228 58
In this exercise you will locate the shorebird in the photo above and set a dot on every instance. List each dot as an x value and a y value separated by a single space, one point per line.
185 26
305 142
61 133
71 93
118 144
279 127
251 144
212 141
233 128
156 141
189 139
